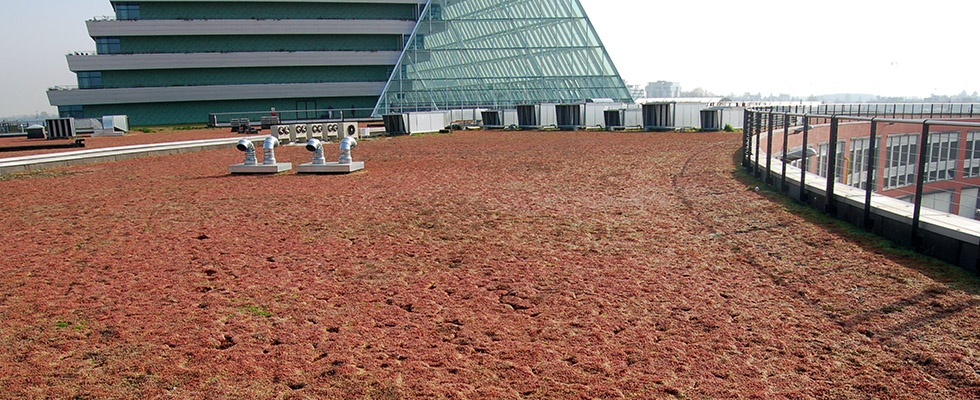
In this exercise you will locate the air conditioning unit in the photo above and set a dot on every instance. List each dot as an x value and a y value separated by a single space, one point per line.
283 132
331 131
396 124
299 132
60 128
348 129
492 119
317 131
371 132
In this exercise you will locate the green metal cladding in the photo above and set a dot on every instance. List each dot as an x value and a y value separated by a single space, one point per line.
480 52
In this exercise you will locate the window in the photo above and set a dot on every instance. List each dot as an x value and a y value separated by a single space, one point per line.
70 112
943 152
127 11
901 155
858 166
941 200
823 158
305 109
108 45
90 80
971 162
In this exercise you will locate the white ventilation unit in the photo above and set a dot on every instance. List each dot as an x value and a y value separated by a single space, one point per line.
317 131
282 132
299 132
332 129
348 129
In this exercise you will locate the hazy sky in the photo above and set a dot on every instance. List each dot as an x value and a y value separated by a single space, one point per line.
798 47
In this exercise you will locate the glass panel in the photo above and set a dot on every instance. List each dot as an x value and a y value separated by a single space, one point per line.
127 11
490 53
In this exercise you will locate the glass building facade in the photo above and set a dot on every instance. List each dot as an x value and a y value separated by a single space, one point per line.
466 53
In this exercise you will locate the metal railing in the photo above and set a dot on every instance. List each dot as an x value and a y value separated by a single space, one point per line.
937 143
470 113
294 116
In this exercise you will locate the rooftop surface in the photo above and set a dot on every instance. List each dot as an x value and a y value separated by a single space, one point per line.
472 265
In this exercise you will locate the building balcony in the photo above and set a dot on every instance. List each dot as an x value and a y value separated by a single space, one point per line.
64 95
89 61
117 28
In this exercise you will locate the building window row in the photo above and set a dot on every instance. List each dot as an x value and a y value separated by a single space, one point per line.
129 11
104 45
70 112
89 80
901 156
901 159
858 171
823 159
971 162
942 156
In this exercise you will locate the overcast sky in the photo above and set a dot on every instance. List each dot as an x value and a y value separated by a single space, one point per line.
761 46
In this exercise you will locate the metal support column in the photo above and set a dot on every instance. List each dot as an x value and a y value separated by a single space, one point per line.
746 141
831 206
783 186
769 149
806 159
870 186
920 181
757 119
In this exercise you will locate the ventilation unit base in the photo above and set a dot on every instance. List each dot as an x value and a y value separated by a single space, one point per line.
259 169
330 168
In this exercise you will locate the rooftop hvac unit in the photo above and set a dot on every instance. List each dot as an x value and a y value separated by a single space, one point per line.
332 130
548 114
510 118
427 122
492 119
316 131
396 124
527 116
348 129
613 118
118 123
568 116
36 132
87 125
658 116
632 118
711 119
299 132
268 122
245 127
60 128
282 132
113 125
235 124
